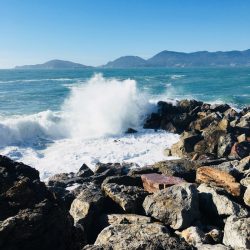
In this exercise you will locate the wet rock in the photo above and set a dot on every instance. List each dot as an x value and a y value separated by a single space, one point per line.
214 203
237 232
153 121
218 178
194 236
177 206
220 107
182 168
115 219
84 171
131 131
155 182
138 236
129 198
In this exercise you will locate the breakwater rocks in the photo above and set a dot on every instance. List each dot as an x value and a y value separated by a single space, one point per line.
200 201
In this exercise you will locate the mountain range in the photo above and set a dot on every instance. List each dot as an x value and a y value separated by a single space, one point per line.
54 64
163 59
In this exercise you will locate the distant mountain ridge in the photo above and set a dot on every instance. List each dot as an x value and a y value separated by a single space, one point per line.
182 59
54 64
165 58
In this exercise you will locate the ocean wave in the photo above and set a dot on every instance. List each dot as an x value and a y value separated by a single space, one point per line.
40 80
174 77
99 107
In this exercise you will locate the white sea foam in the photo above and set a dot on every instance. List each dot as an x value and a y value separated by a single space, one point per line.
145 147
89 128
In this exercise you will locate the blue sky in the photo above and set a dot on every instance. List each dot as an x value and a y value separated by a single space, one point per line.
93 32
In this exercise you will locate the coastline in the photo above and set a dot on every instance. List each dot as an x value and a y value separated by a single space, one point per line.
201 200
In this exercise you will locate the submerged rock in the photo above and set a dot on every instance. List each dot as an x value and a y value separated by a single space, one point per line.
177 206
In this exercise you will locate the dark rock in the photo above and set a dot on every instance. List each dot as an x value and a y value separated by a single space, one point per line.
143 170
84 171
177 206
131 131
124 180
220 107
31 217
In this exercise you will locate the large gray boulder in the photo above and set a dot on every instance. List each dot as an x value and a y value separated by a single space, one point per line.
138 236
87 205
214 203
237 232
177 206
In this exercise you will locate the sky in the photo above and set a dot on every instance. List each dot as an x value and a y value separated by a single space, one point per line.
94 32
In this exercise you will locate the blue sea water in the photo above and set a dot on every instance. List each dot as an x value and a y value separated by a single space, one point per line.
55 120
30 91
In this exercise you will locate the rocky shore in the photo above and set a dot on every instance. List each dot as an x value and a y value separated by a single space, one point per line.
199 201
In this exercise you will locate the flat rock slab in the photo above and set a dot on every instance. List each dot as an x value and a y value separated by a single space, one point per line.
155 182
212 176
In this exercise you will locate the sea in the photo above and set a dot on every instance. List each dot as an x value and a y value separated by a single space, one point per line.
56 120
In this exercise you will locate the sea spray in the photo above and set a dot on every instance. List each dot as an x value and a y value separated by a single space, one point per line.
98 107
102 107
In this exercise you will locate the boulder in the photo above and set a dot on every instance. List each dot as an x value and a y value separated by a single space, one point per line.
194 236
186 144
138 236
45 226
218 178
241 150
31 217
214 203
155 182
202 123
245 181
129 198
84 171
182 168
237 232
177 206
87 205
